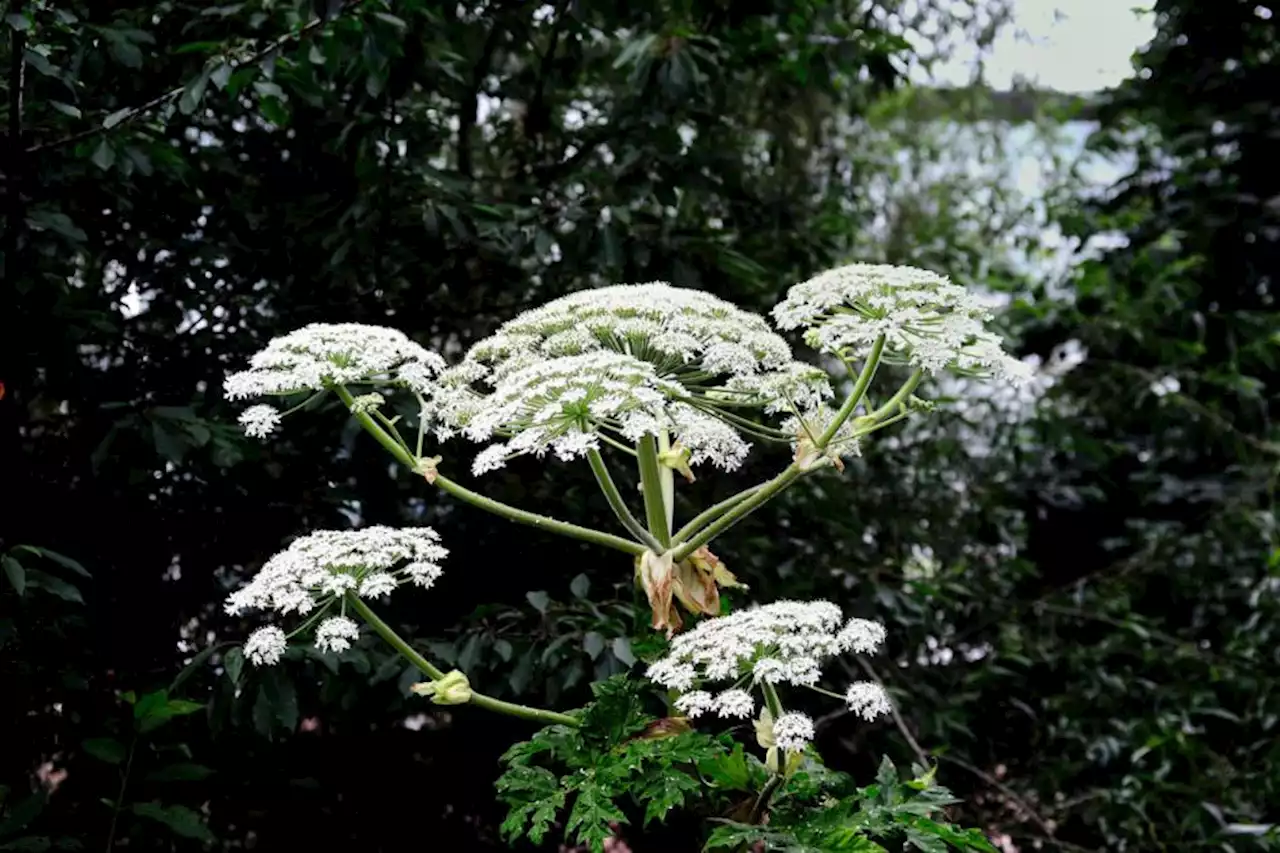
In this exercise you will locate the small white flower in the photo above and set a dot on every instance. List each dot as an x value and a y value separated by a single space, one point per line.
327 564
378 584
265 646
260 421
673 675
366 402
792 731
928 321
867 699
769 670
735 703
336 634
861 636
781 643
695 703
324 354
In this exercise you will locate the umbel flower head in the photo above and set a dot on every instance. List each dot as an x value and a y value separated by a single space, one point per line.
928 321
322 355
781 643
564 404
708 344
321 567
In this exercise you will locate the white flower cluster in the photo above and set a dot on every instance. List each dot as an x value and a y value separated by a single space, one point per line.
781 643
683 333
325 565
320 355
563 404
928 321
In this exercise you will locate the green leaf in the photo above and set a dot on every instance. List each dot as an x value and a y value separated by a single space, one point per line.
233 664
16 574
591 817
172 708
662 790
193 93
195 665
21 23
539 600
61 559
622 651
580 586
48 220
398 23
39 62
181 820
925 842
66 109
23 813
105 749
283 698
180 773
116 117
57 586
126 53
104 156
592 644
150 703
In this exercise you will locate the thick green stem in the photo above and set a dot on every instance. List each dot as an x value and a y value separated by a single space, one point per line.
655 510
739 512
855 397
761 804
616 502
478 699
713 512
520 516
899 398
771 700
667 477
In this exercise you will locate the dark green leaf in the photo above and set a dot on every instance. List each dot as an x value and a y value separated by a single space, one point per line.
15 573
181 820
105 749
104 155
539 600
180 773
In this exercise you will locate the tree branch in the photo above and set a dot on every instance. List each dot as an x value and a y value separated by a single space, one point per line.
134 113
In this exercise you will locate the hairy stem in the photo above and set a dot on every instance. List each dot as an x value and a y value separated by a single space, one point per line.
462 493
899 398
855 397
713 512
619 506
651 484
478 699
740 511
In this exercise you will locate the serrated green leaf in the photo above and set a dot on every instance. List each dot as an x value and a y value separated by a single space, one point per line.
591 817
662 790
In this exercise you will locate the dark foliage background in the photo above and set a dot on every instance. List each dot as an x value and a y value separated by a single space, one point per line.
1082 613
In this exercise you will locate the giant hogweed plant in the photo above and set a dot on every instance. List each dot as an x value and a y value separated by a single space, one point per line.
668 380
